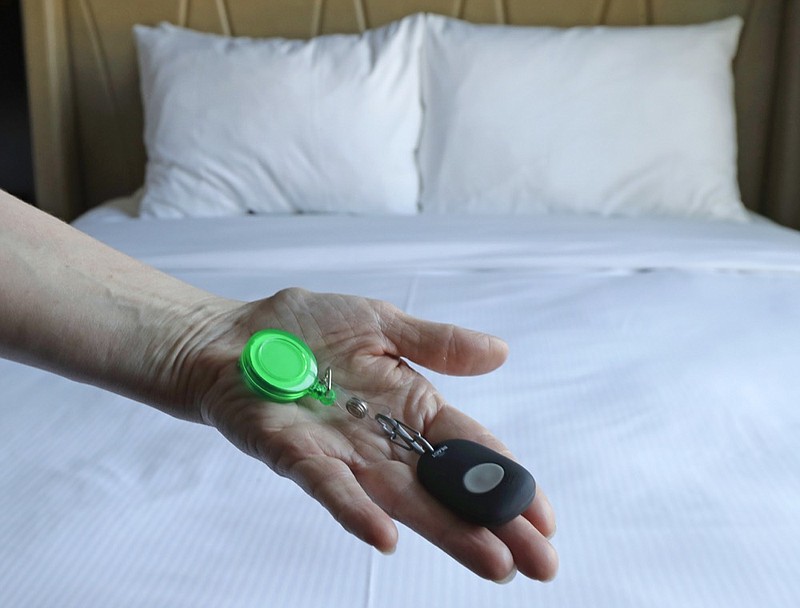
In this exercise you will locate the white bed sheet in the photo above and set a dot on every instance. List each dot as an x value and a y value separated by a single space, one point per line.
651 388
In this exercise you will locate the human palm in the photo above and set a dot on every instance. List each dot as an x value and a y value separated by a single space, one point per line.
347 464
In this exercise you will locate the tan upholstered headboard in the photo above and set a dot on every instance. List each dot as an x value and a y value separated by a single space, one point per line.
87 118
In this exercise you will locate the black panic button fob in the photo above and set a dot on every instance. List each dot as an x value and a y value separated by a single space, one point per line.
479 484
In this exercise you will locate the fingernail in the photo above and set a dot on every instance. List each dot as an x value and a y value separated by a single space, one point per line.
509 578
388 551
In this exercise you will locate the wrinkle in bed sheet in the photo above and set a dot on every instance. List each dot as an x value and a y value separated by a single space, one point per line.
451 243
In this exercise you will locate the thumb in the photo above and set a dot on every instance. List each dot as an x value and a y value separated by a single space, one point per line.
445 348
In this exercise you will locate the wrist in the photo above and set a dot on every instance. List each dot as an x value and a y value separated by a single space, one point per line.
183 346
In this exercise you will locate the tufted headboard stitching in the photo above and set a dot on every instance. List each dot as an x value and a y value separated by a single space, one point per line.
87 118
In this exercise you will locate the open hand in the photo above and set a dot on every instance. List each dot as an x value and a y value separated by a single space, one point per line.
347 464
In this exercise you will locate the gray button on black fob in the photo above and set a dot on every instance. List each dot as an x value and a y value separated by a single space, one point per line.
476 482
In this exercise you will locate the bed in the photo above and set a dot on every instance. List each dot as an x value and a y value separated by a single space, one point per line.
652 378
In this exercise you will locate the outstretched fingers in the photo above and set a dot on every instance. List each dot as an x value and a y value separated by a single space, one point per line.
393 485
492 554
525 536
444 348
533 554
331 482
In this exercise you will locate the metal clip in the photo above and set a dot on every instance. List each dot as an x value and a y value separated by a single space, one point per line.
327 379
403 435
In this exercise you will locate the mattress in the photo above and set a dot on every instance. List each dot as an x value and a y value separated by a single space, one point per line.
651 390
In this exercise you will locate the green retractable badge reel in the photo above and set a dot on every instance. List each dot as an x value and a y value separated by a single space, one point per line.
280 367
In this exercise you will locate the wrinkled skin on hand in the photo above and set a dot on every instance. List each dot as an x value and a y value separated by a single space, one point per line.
347 464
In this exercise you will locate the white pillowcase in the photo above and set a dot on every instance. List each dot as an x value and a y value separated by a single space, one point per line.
608 120
238 125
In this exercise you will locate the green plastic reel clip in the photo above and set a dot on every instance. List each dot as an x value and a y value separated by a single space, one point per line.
280 367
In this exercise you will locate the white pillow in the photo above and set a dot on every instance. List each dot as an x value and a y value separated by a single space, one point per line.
238 125
608 120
